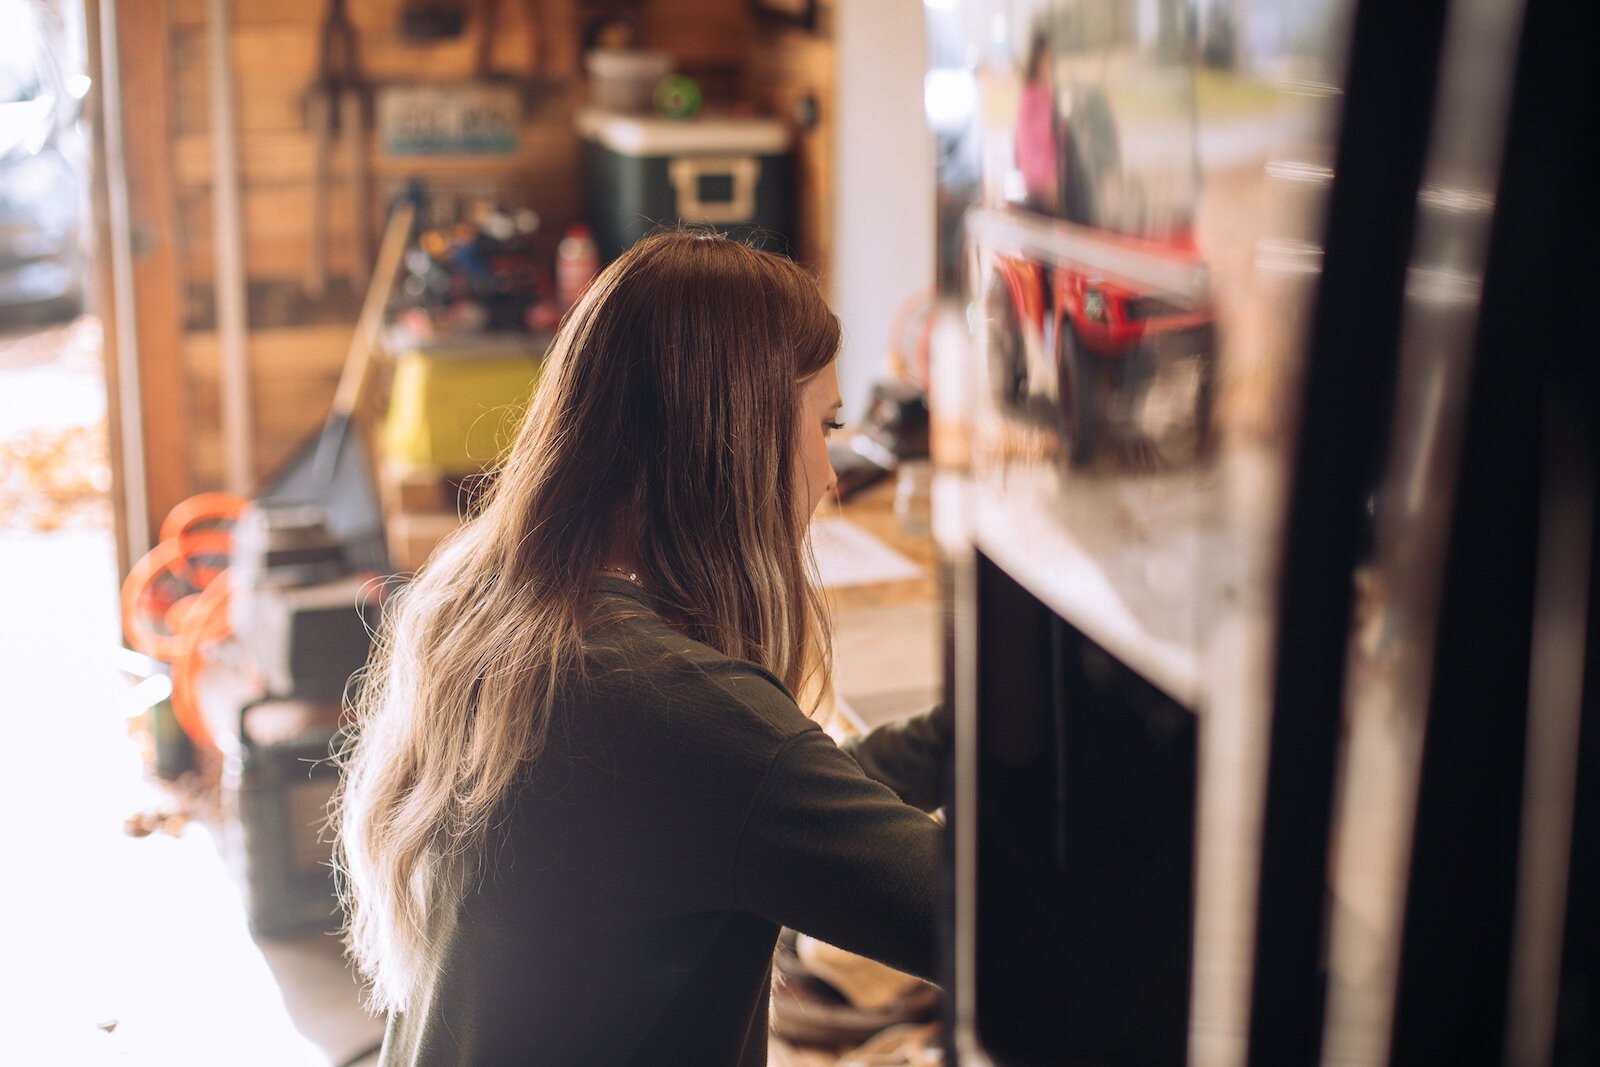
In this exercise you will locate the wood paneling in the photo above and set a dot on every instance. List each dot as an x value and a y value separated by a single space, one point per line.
704 34
275 60
294 371
274 53
294 374
790 70
278 192
103 280
157 296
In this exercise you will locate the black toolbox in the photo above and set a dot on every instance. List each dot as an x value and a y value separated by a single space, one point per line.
277 783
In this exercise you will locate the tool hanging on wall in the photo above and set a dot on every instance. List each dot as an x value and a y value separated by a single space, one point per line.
535 84
427 21
336 106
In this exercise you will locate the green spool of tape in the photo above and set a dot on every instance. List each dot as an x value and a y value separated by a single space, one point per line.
678 97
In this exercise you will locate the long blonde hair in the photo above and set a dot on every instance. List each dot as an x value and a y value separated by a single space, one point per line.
662 427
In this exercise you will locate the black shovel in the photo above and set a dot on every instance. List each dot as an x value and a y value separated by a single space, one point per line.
330 472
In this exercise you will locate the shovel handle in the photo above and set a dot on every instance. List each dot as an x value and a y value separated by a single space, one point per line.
396 235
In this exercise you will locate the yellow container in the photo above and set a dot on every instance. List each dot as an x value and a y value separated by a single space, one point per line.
457 410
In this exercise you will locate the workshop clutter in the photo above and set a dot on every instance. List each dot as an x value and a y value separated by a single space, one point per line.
271 586
457 409
477 305
302 615
894 438
454 409
337 106
276 786
830 998
290 581
303 612
655 155
306 642
175 606
476 267
423 505
577 263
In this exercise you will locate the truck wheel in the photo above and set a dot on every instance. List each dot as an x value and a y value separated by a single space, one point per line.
1008 372
1205 402
1188 439
1075 403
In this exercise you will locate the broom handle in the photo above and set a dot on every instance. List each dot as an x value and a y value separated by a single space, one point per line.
396 235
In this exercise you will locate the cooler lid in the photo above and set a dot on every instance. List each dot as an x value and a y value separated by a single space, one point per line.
648 135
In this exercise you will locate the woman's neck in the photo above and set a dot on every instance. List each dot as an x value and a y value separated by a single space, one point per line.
619 559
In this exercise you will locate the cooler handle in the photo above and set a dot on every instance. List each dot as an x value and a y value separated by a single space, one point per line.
686 174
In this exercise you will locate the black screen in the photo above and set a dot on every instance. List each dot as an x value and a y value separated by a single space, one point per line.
1086 781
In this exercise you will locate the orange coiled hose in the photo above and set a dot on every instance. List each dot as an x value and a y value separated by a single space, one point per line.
205 511
205 625
175 599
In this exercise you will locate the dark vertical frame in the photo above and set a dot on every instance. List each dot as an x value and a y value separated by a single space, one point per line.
1454 992
1576 1037
1347 395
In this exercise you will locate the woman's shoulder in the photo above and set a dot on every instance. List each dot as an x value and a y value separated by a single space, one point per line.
643 667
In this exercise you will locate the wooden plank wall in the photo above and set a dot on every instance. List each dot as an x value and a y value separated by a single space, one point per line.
791 75
144 72
296 347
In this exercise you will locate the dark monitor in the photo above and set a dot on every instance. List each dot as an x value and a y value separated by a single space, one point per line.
1085 846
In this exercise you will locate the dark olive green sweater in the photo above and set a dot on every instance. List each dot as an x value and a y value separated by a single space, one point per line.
683 810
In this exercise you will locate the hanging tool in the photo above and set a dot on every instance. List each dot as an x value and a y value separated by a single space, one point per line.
483 42
328 479
336 106
535 85
427 21
353 107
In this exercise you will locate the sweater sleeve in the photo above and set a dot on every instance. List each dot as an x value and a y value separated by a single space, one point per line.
907 755
833 854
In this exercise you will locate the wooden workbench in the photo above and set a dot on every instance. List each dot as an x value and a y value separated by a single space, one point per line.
886 639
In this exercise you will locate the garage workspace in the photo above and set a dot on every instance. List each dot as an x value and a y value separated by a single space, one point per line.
823 533
333 249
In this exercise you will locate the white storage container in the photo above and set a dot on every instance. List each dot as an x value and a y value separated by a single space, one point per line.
623 79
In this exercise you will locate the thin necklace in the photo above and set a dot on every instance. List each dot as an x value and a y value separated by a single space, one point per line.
632 576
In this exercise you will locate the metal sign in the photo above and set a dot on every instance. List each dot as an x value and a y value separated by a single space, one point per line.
448 120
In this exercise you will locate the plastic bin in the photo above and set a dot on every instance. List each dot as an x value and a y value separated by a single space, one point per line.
624 79
458 407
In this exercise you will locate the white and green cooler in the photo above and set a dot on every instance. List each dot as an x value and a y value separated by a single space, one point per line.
641 172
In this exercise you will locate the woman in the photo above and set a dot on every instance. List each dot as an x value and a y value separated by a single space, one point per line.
583 798
1038 158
